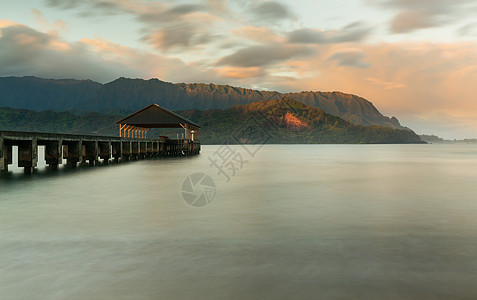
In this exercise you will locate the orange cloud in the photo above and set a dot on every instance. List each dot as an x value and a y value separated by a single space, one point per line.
106 47
6 23
403 79
387 85
238 72
257 34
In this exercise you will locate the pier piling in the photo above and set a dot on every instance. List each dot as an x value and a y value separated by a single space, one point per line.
105 151
53 153
90 153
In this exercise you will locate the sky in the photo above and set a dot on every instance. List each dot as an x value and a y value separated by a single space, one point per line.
414 59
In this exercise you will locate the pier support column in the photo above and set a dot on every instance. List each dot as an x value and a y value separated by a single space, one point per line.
27 155
90 152
3 160
186 149
142 150
160 148
155 148
149 148
6 155
116 150
135 150
73 153
125 151
53 154
105 151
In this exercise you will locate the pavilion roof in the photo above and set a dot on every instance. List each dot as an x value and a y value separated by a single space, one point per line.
154 116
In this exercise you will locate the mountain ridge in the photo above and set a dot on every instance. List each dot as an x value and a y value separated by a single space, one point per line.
38 94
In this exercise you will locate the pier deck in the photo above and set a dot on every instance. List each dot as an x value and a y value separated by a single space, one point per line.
80 149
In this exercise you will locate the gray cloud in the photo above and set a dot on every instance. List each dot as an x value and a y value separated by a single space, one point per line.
269 13
415 15
178 36
430 6
63 4
468 30
172 14
143 11
25 52
185 9
350 33
257 56
167 24
217 5
89 8
19 46
350 58
271 10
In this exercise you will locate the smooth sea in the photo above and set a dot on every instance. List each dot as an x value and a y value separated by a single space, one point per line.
247 222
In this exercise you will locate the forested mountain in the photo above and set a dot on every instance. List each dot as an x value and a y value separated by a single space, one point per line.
282 121
128 95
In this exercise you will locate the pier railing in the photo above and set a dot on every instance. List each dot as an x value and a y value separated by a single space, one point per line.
80 149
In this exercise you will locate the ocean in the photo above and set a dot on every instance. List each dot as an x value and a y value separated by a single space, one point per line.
247 222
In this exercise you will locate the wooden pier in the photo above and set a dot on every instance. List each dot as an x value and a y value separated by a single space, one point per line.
132 143
82 149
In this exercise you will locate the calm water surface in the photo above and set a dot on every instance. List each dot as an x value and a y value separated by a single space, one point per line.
296 222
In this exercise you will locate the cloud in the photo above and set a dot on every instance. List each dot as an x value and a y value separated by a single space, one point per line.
40 20
25 51
387 85
5 24
258 34
350 57
241 72
407 21
91 8
468 30
350 33
157 15
271 11
431 6
43 23
415 15
256 56
180 35
219 6
64 4
166 24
